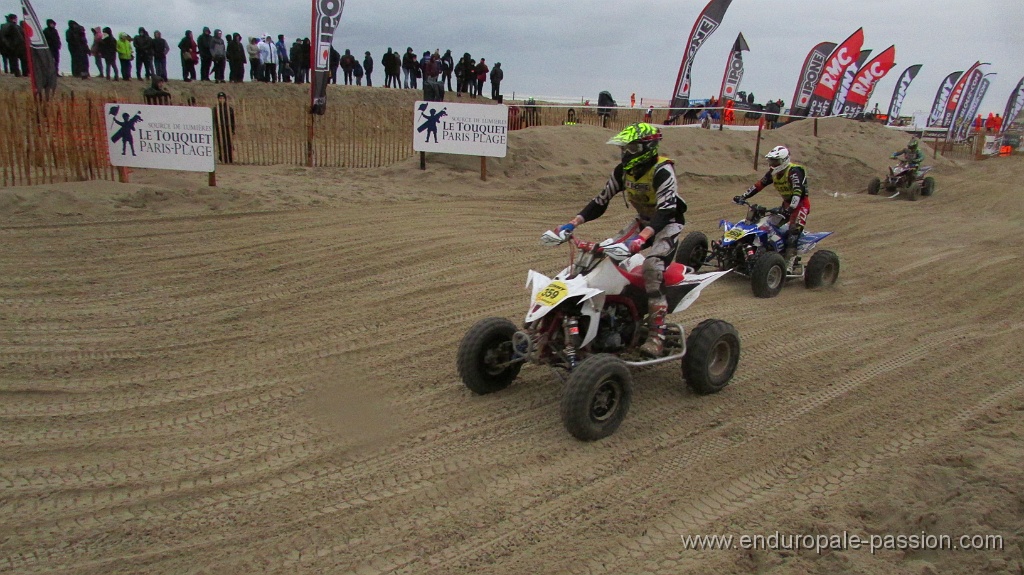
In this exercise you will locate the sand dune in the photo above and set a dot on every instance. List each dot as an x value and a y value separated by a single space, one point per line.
260 377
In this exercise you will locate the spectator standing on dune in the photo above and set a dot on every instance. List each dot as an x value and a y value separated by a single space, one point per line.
125 54
253 52
108 49
160 50
219 55
204 43
368 68
497 75
236 59
143 53
94 49
447 67
189 56
53 42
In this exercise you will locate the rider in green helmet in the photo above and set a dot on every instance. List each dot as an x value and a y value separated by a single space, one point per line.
648 181
912 155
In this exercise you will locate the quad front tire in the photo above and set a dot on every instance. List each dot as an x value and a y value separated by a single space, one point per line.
597 397
874 185
712 354
485 355
693 250
822 270
767 275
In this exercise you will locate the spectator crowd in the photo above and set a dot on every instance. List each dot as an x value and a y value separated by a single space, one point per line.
218 57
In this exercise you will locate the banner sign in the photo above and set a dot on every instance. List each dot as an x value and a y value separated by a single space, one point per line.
733 70
942 98
848 76
41 69
866 78
326 15
953 103
708 21
970 101
814 64
162 137
468 129
840 59
900 92
1013 106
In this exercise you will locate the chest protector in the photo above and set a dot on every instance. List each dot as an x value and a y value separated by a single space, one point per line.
640 192
782 184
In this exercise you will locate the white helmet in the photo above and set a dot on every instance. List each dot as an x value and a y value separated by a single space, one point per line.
778 159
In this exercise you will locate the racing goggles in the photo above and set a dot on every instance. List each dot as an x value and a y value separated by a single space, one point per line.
633 148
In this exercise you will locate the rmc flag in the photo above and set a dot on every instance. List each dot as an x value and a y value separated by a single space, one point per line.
326 15
41 70
866 78
733 69
1013 105
709 21
837 63
900 92
848 76
809 75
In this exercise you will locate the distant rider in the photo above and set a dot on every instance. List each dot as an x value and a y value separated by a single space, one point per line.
791 182
649 182
912 155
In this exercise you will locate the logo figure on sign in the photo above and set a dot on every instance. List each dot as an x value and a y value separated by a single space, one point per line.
125 133
430 125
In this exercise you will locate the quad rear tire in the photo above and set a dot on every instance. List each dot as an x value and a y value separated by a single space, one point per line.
913 191
873 186
712 354
768 275
597 397
484 356
928 188
822 270
693 250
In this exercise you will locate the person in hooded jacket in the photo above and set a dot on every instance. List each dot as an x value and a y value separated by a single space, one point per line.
219 55
497 75
12 46
143 53
160 50
94 49
189 56
447 66
108 49
53 42
125 54
156 94
348 63
236 58
368 68
203 44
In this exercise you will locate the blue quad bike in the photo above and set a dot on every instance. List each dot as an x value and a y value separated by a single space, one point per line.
753 247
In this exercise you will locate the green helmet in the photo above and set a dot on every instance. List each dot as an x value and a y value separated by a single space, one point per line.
912 144
639 143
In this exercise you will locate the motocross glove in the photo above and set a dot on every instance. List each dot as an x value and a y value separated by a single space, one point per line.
738 200
565 230
635 245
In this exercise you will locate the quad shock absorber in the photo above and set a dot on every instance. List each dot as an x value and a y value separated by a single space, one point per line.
572 339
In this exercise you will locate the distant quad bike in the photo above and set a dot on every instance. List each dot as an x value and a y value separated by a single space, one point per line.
588 324
900 182
753 247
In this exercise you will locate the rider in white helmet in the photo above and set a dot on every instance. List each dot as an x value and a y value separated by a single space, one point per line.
791 182
648 181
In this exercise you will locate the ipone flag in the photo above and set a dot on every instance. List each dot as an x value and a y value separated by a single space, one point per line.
866 78
848 76
326 15
733 69
941 97
900 92
814 63
953 103
837 63
1013 105
41 70
708 21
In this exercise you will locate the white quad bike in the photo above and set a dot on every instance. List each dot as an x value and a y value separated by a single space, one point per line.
588 323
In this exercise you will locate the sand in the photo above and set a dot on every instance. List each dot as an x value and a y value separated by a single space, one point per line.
260 377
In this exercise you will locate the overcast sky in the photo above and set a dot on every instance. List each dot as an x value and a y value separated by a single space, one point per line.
577 49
